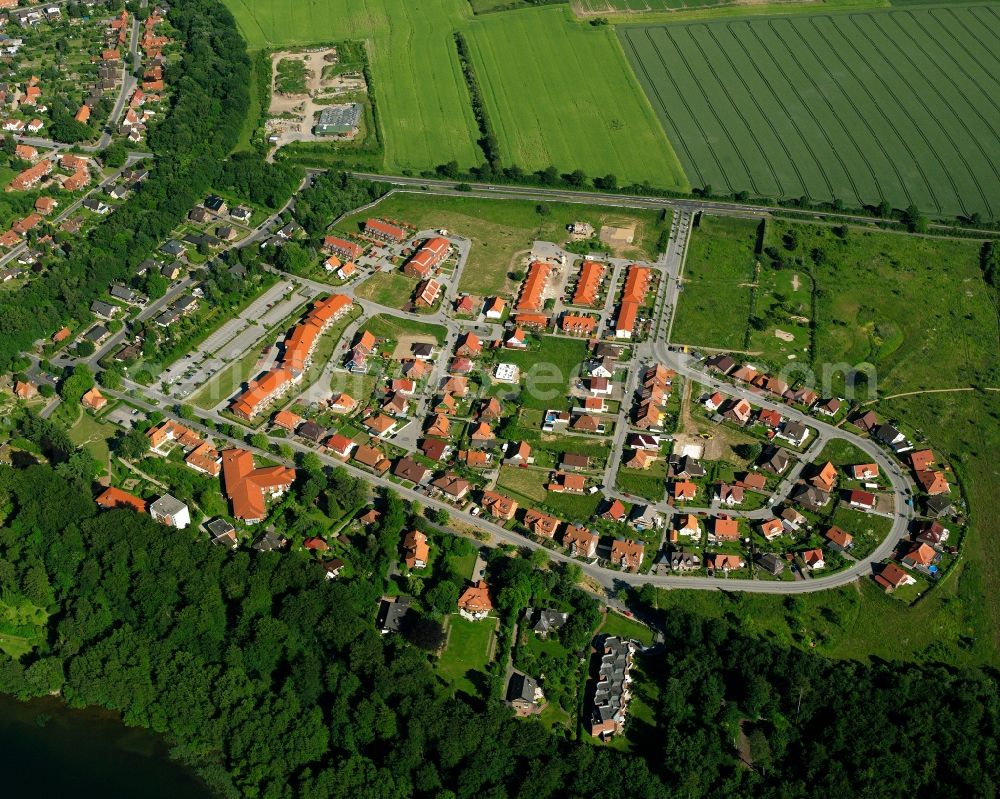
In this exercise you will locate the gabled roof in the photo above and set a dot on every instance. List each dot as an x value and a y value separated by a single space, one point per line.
246 485
116 498
476 599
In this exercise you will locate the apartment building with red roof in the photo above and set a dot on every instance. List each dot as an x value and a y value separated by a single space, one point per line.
431 253
533 288
589 283
380 229
248 488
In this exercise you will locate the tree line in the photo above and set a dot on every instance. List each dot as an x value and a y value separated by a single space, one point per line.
272 681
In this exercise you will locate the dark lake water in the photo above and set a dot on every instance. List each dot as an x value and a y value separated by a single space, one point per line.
48 750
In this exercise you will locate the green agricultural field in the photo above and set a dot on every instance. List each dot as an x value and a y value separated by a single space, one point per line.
713 309
573 104
568 99
501 231
424 106
896 105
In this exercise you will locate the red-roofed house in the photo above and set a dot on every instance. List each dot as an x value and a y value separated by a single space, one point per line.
116 498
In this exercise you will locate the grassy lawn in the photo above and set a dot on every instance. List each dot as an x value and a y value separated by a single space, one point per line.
965 605
22 627
867 528
501 230
392 289
93 435
622 626
463 565
714 307
463 662
546 369
527 486
650 484
391 327
784 303
840 452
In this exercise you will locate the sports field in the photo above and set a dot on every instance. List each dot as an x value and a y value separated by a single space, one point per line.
559 92
567 99
898 105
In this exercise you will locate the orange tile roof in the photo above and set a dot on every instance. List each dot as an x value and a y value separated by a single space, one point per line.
83 114
380 227
726 529
246 485
540 523
204 458
590 281
347 248
25 390
29 177
287 420
260 392
476 599
627 313
628 553
636 284
839 537
578 324
439 427
26 223
94 399
416 549
499 505
921 459
530 298
116 498
430 254
343 403
532 320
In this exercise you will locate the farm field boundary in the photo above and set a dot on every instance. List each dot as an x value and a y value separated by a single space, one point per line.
558 91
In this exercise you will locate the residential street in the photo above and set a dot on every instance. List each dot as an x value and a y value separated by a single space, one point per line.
644 354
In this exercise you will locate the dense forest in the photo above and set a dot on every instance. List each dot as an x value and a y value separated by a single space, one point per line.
273 681
199 131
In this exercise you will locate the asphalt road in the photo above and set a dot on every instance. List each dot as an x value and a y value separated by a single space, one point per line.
151 399
533 193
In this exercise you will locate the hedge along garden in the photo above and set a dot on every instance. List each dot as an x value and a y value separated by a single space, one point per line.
894 105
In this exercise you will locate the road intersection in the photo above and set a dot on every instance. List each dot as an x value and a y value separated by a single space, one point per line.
644 353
